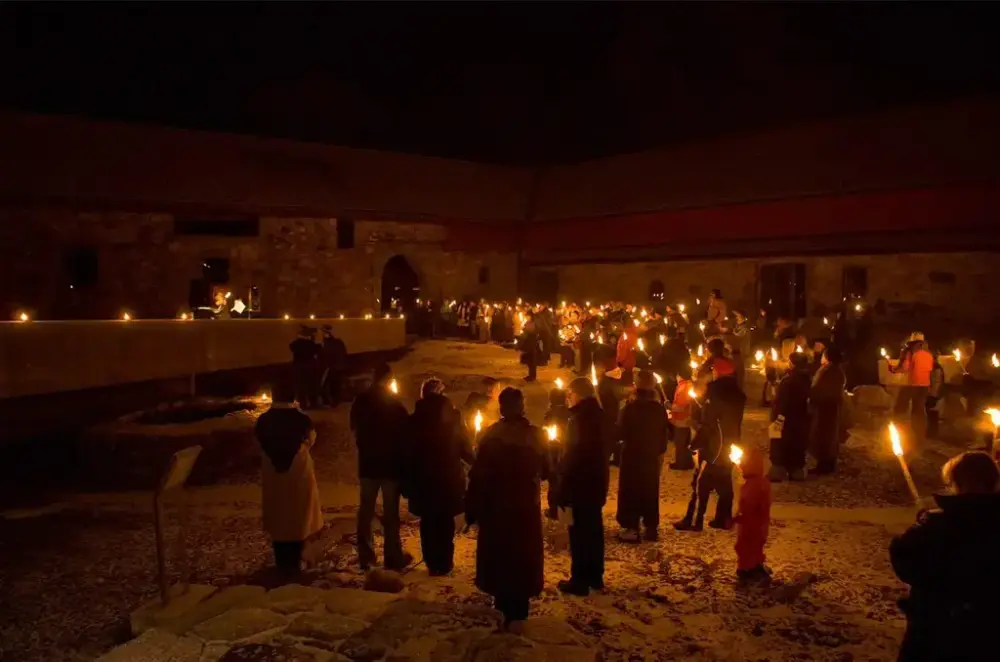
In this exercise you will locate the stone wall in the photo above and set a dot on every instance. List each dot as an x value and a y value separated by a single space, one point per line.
145 268
948 289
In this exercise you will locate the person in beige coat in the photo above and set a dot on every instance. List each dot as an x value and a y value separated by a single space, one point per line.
291 506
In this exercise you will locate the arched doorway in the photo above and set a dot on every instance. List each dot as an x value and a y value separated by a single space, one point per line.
400 286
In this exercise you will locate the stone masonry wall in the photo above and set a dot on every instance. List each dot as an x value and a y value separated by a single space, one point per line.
950 288
144 267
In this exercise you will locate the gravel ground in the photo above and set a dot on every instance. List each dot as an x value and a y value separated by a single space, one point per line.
69 578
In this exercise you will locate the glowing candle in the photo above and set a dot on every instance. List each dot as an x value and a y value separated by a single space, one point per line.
184 317
126 317
23 317
593 374
697 302
287 316
735 454
588 304
394 386
341 315
311 316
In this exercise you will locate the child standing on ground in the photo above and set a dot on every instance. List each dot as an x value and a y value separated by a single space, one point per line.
753 517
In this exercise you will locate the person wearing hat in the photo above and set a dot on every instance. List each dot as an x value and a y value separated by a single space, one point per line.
305 367
334 364
916 363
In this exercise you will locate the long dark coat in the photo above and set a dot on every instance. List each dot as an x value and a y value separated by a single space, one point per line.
504 500
434 480
949 559
721 420
643 426
792 402
608 394
583 473
826 398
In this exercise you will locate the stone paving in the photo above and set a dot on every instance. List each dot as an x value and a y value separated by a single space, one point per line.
295 623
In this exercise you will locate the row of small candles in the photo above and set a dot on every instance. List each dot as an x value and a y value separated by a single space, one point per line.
187 317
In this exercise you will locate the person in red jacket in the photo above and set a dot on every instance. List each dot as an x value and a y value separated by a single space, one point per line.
753 518
626 352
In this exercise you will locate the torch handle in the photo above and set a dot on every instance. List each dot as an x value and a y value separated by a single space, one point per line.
909 480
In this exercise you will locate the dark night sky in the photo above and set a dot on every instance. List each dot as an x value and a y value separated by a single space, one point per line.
506 82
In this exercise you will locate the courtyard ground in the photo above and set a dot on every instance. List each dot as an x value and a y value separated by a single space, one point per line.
73 570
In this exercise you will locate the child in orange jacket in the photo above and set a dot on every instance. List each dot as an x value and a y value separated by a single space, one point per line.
753 518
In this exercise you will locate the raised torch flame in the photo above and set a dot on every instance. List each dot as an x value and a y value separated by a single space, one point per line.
701 325
559 383
958 354
635 323
659 380
701 350
995 361
663 341
680 307
994 415
394 386
758 355
883 352
897 445
24 318
642 345
552 432
735 454
798 348
826 322
694 365
477 422
774 354
593 374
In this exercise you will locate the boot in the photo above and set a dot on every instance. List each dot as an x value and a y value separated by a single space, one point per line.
776 474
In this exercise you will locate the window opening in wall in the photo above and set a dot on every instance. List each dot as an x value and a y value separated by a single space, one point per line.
211 227
81 266
484 275
855 282
656 291
942 278
345 233
782 290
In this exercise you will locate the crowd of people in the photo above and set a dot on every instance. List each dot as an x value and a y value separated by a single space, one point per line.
646 379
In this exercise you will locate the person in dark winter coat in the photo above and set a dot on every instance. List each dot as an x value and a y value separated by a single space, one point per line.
643 425
791 404
826 397
949 559
673 358
721 419
609 392
306 367
379 422
504 501
435 478
529 348
583 487
558 416
334 365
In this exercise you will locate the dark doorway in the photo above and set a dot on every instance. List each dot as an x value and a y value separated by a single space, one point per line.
783 290
400 287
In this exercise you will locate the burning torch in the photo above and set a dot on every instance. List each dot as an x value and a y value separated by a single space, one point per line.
897 450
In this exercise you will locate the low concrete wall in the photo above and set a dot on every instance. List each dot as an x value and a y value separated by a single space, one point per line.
51 357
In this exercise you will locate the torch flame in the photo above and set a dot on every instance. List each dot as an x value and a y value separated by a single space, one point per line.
994 416
694 365
659 380
897 445
996 361
593 374
735 454
693 393
798 348
774 354
265 396
680 307
857 307
883 352
559 383
184 317
600 340
958 354
126 317
663 340
553 432
24 318
477 422
394 386
701 350
287 316
635 323
642 345
826 322
758 355
701 325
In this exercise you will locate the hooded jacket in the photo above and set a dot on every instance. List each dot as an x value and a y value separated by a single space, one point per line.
753 513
